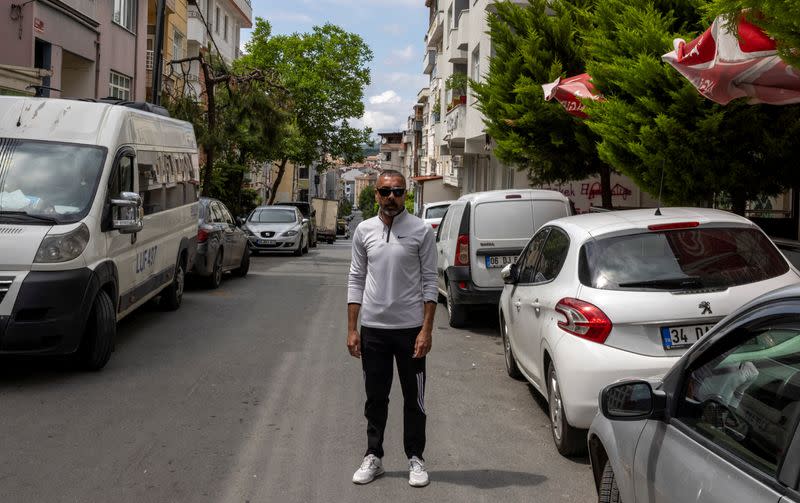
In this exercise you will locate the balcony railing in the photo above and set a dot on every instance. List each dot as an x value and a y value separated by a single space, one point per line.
429 61
435 30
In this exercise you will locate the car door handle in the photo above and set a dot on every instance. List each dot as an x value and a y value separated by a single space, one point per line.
518 305
536 306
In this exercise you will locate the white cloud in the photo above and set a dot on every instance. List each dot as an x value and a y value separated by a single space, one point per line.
384 98
404 55
394 29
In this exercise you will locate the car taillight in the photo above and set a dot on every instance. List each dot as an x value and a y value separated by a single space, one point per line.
202 235
462 250
584 320
434 225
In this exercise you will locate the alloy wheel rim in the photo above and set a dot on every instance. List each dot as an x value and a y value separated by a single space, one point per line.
506 345
449 303
555 407
218 270
179 282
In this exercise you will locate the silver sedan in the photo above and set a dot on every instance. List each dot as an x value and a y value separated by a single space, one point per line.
277 229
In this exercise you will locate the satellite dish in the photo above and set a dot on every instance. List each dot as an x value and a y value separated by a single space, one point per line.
383 140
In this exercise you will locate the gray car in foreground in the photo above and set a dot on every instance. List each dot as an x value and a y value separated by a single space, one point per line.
721 426
221 245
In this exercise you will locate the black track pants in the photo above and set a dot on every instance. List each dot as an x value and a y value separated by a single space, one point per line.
378 348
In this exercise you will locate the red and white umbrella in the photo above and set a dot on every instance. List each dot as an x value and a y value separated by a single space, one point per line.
571 91
724 67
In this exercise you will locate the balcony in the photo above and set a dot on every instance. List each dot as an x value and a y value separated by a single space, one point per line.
195 30
429 61
434 35
455 126
462 39
246 12
455 53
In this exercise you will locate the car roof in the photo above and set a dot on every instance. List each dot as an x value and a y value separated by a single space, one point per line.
499 195
276 207
608 222
438 203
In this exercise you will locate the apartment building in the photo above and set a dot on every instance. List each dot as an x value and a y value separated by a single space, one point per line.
74 48
389 153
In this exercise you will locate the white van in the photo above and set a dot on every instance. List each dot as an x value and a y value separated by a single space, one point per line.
482 232
98 214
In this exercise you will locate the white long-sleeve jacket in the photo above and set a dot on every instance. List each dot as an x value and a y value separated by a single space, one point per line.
393 271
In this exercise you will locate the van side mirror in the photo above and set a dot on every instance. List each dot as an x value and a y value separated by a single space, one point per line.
127 213
510 274
632 401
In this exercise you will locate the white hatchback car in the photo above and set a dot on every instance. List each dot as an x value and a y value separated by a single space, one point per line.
432 213
599 297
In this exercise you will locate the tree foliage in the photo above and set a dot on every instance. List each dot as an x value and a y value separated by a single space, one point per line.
367 203
534 45
655 122
324 73
779 19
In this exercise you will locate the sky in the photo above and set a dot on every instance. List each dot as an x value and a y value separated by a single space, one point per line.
393 29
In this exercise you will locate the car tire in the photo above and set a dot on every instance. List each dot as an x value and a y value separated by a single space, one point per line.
314 242
456 313
511 361
569 441
608 492
172 296
215 279
299 250
305 249
98 337
244 265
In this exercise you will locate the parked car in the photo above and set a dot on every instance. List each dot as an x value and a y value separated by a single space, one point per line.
482 232
432 213
221 245
598 297
721 426
308 211
98 215
277 229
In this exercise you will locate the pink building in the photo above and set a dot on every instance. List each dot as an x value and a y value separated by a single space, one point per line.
94 49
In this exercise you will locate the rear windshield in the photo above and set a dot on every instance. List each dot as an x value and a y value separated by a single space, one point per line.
273 216
680 260
512 219
436 212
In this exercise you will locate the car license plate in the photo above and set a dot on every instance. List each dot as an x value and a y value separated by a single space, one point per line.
682 337
266 241
499 261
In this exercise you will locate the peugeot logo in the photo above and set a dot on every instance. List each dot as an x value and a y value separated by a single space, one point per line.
706 307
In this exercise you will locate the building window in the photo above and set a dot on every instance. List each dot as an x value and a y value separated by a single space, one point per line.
225 29
119 86
125 14
177 44
216 20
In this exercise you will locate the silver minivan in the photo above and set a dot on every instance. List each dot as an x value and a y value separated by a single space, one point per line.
480 234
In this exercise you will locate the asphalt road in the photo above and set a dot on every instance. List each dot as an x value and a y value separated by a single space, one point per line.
248 394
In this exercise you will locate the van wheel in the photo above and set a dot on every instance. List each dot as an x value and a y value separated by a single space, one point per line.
609 491
569 441
511 361
172 296
215 279
98 338
457 314
244 265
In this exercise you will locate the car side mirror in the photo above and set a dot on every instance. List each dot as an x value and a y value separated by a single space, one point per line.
632 401
305 221
127 213
510 274
239 222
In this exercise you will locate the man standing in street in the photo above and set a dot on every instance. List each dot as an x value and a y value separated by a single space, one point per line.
393 285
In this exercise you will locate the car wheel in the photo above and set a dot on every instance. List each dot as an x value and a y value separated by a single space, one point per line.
314 241
457 314
172 296
511 361
608 491
98 338
305 248
569 441
299 250
215 279
244 265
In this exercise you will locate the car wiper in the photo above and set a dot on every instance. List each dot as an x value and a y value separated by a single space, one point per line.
23 215
666 283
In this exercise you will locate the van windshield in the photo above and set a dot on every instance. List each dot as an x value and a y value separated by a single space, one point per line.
680 260
46 182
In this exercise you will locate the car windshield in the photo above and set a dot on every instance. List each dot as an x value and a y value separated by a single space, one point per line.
47 182
273 216
680 260
436 211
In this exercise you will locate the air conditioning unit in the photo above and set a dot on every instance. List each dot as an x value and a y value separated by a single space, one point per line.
457 161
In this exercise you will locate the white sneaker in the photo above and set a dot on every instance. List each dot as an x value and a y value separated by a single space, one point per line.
417 476
370 468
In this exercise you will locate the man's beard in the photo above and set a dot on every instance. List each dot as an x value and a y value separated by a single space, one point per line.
391 211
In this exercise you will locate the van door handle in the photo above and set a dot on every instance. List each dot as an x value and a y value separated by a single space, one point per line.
518 305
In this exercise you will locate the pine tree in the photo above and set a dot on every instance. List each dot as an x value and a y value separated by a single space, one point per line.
534 45
655 123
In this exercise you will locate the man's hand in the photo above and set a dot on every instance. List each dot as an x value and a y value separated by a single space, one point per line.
422 346
354 343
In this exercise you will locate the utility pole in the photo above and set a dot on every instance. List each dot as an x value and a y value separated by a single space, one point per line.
157 58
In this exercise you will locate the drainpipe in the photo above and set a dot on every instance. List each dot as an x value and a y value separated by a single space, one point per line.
157 46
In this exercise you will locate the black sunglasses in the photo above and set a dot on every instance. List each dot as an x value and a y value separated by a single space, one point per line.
385 191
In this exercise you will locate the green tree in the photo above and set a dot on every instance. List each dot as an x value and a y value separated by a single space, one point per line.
534 45
324 73
345 207
655 123
367 203
780 20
